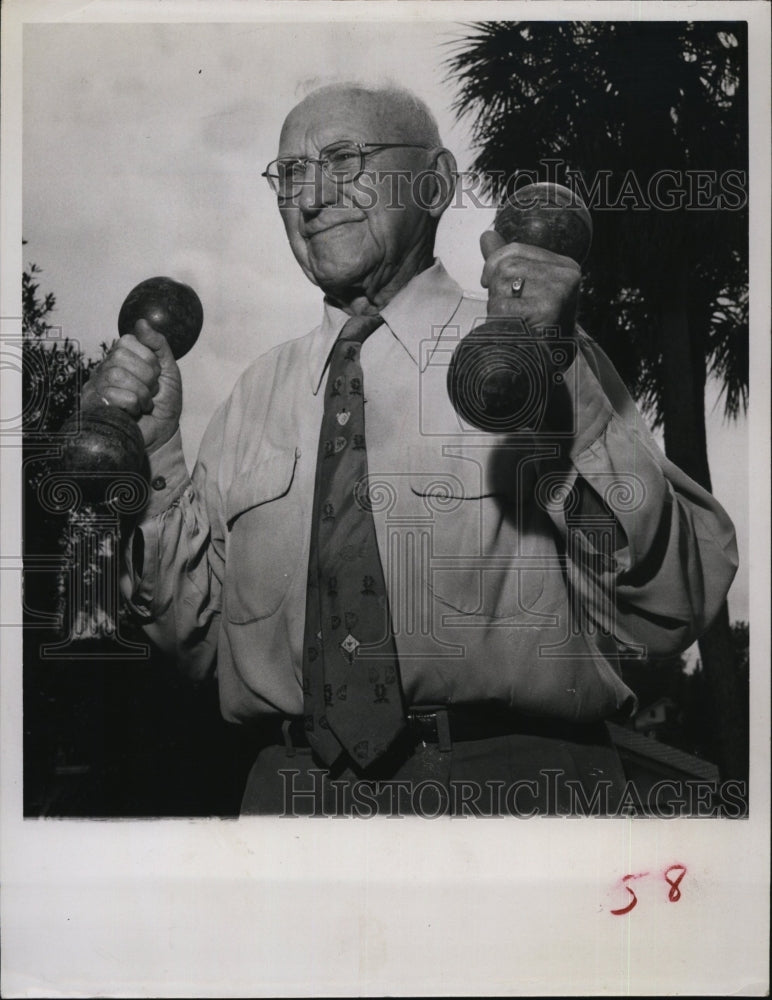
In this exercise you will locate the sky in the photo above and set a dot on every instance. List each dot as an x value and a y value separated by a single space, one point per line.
142 152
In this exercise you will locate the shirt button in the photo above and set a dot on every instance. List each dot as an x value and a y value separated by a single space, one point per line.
159 483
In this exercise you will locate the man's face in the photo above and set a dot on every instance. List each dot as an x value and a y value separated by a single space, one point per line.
352 242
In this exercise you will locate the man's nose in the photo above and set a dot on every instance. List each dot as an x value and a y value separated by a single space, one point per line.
317 191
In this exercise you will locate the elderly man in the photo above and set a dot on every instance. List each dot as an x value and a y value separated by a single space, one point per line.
413 615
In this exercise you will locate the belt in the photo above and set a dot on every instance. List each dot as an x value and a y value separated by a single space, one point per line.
447 724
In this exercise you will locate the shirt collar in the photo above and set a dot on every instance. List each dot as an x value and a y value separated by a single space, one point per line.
418 312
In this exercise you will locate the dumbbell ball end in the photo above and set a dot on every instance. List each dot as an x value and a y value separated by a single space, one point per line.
104 441
170 307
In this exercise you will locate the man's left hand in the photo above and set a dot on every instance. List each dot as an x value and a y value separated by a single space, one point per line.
549 284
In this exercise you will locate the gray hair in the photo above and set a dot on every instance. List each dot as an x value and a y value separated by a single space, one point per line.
416 121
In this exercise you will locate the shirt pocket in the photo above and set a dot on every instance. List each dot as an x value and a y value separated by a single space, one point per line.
264 523
487 559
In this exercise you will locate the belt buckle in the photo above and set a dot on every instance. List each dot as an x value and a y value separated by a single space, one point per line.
423 722
431 725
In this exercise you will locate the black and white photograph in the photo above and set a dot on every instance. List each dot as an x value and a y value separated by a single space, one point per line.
385 553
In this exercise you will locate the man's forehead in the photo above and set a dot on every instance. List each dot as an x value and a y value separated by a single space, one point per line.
350 113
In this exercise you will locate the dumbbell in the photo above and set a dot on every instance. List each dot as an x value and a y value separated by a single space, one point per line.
105 440
497 378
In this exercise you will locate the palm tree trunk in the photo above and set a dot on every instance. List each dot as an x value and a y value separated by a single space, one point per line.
683 397
683 390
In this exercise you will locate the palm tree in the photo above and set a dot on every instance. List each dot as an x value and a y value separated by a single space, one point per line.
649 121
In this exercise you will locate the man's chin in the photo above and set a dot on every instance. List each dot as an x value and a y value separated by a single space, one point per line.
339 283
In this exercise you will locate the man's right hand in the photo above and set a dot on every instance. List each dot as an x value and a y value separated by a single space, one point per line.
139 375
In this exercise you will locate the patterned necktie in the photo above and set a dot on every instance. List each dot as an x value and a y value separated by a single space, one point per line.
352 698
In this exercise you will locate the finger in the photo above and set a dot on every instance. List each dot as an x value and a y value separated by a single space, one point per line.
130 343
490 240
522 258
121 378
124 399
528 251
156 341
148 371
533 293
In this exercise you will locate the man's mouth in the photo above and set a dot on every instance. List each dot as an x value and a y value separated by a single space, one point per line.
318 230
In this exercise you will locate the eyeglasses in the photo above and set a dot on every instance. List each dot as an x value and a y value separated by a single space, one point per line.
341 162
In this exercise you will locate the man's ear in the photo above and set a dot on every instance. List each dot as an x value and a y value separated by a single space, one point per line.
445 174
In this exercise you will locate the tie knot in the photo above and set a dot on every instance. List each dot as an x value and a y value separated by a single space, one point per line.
359 328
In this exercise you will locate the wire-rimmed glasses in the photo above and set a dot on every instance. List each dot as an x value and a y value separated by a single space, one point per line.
341 162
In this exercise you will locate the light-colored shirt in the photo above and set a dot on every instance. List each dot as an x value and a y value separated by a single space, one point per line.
498 593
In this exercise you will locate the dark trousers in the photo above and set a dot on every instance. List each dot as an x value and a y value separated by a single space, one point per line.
557 770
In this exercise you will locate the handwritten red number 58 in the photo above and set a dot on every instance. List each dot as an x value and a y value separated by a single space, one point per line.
674 893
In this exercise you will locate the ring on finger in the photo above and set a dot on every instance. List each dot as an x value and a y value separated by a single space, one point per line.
517 287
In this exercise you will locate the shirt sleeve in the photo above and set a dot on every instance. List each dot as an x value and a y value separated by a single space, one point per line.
174 559
650 555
